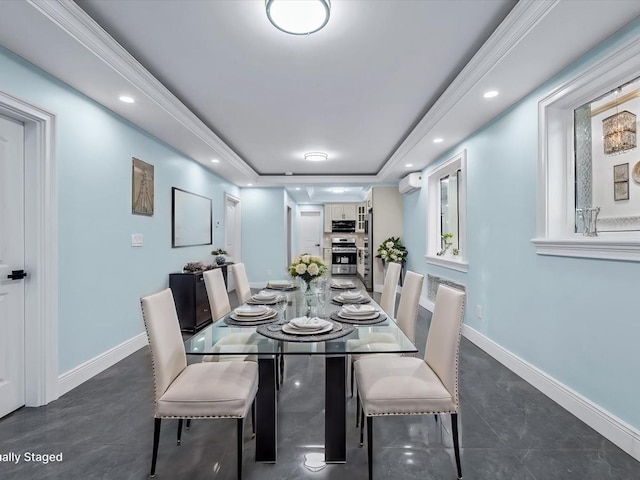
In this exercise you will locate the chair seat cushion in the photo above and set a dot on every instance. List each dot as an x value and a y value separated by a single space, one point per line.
212 389
400 386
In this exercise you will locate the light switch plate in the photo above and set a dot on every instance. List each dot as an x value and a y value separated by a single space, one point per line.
136 240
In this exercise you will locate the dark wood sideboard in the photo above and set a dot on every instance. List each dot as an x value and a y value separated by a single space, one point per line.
190 295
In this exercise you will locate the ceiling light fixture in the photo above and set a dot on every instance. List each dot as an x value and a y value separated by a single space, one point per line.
315 156
215 160
438 140
298 17
249 184
409 165
126 99
338 190
491 94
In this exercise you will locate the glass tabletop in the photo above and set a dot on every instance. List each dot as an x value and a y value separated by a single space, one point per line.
221 338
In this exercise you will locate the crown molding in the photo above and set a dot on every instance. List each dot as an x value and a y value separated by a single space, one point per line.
67 15
523 17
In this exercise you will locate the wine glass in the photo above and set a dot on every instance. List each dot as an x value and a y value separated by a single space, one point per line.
281 305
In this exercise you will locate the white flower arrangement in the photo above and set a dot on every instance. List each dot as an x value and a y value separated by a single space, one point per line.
392 250
307 267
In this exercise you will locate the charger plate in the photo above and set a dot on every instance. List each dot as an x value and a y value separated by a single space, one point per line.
358 321
275 332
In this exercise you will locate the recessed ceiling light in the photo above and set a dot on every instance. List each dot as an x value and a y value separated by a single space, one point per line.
297 188
438 140
288 173
491 94
126 99
409 165
338 190
298 17
315 156
215 160
249 184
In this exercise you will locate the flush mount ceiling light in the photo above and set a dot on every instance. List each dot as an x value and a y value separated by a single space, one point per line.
315 156
438 140
126 99
215 160
298 17
491 94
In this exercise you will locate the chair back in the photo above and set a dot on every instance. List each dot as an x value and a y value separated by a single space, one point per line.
217 293
388 297
165 340
409 302
443 339
243 289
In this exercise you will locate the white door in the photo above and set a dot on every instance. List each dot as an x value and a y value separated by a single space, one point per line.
310 233
12 383
232 233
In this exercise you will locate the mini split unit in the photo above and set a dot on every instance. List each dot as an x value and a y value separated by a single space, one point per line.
410 183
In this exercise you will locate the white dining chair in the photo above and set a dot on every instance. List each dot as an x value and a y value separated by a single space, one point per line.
243 289
417 386
388 296
200 390
406 320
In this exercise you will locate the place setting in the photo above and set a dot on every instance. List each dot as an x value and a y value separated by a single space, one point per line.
283 285
251 315
357 314
351 296
264 297
340 284
305 329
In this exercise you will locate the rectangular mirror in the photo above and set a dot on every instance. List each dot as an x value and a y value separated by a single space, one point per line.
191 219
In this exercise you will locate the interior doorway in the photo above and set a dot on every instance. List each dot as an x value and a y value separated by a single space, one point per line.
310 232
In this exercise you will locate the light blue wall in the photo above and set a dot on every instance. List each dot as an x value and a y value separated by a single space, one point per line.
575 319
264 233
101 277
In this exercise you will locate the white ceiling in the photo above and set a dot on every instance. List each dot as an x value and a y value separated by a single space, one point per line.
214 79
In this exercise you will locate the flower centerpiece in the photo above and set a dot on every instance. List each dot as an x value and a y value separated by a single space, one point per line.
392 250
307 268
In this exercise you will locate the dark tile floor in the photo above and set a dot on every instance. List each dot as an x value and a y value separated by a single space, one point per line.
508 431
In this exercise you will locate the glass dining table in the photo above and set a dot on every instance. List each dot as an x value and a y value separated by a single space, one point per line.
223 338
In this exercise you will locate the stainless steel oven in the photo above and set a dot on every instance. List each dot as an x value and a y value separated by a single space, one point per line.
344 255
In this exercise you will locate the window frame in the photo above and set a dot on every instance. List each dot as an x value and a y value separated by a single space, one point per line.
456 163
555 202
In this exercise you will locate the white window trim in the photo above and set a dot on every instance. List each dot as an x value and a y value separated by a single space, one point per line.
450 166
555 193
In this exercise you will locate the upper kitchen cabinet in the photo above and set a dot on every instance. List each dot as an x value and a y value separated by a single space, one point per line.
327 218
361 217
343 211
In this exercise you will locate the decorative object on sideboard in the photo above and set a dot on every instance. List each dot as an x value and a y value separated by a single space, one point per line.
392 250
220 255
588 218
141 187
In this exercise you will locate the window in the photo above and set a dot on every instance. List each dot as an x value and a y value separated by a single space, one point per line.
577 171
446 223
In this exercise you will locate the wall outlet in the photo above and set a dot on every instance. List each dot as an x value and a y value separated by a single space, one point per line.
137 240
269 272
479 311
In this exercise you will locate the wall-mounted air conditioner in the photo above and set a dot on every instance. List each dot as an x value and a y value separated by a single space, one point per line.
411 182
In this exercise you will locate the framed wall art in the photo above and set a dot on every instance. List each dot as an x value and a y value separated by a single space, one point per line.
621 191
621 172
142 188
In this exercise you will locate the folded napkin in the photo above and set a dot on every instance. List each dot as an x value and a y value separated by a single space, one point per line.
359 309
251 310
280 283
352 295
308 323
264 295
342 283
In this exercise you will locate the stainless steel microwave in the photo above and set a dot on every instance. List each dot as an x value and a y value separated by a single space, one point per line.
343 225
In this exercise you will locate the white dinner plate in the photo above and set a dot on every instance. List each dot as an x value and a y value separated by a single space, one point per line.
264 295
354 295
369 316
286 328
241 318
251 310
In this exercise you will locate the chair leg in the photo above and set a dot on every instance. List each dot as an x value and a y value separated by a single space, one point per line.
357 409
456 444
362 428
370 446
188 424
156 440
277 373
179 431
240 425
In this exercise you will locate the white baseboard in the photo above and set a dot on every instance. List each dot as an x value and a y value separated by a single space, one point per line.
83 372
606 424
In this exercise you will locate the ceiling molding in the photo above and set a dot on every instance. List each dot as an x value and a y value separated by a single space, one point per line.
522 18
79 25
286 180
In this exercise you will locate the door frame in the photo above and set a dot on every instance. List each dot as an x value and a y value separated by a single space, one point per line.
41 247
317 210
237 256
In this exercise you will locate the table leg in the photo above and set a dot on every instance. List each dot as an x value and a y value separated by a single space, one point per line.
266 410
335 418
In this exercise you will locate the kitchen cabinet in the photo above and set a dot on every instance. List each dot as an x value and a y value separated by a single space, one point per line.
361 217
343 211
327 218
327 256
